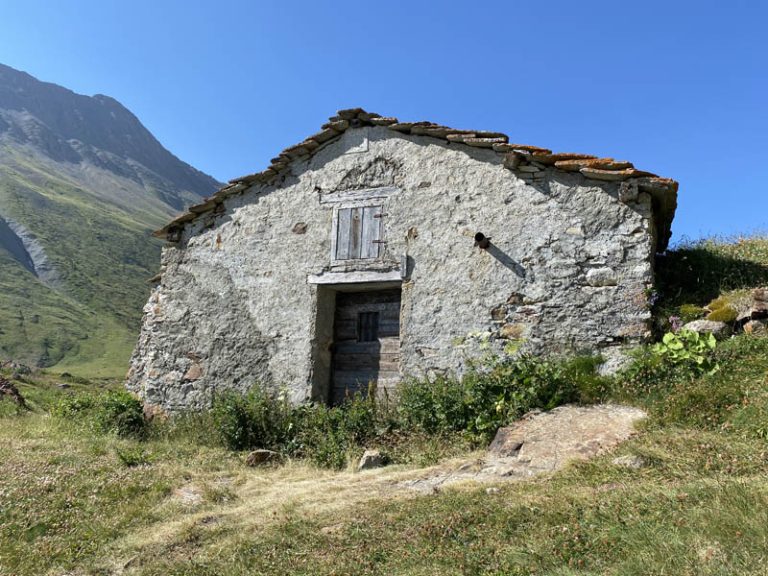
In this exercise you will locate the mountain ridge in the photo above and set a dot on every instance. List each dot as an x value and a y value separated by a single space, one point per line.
73 127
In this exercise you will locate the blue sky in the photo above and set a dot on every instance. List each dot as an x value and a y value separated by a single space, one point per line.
678 88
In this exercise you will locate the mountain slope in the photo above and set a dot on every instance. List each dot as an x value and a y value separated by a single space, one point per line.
82 184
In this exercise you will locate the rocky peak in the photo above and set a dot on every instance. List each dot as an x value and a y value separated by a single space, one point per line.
70 127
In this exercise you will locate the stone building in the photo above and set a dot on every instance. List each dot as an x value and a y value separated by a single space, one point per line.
377 249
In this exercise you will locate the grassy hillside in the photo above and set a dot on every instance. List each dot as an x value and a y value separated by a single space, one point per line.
82 185
177 502
103 254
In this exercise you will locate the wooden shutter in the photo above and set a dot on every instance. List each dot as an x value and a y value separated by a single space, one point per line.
357 232
369 246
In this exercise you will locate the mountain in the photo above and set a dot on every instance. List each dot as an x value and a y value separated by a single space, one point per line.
82 185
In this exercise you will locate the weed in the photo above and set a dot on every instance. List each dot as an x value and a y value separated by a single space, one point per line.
131 456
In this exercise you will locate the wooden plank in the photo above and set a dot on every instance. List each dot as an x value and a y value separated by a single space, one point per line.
371 232
352 381
355 232
371 362
345 330
389 345
346 299
349 311
342 234
389 328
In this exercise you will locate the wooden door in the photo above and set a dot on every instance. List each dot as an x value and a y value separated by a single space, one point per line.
366 346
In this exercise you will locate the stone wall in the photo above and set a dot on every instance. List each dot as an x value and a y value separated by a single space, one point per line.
568 268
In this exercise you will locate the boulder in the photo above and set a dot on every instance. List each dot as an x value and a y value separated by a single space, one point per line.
756 327
718 329
263 457
8 389
370 459
546 441
758 308
543 442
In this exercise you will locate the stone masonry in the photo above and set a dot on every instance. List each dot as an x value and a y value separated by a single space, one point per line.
245 295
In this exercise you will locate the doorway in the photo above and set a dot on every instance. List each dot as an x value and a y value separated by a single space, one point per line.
366 343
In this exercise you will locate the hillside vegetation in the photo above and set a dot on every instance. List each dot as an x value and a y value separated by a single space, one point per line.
90 488
82 185
104 256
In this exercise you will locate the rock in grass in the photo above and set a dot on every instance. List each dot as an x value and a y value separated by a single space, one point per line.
718 329
630 461
756 327
263 458
371 459
8 389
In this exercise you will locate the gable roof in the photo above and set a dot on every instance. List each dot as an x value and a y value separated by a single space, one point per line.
662 190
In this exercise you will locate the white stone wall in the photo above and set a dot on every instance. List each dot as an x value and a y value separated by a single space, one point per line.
568 269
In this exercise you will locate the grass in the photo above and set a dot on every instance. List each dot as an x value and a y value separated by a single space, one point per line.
77 501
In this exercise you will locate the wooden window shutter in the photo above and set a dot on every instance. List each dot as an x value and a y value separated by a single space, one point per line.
358 232
371 232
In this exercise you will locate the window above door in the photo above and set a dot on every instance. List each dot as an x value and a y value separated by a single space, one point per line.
358 225
358 233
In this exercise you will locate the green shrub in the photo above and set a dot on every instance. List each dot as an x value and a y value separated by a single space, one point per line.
113 412
331 436
360 417
120 413
433 405
74 407
512 388
322 436
494 395
325 435
257 419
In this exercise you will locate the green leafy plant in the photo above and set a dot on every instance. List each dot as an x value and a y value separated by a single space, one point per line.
433 405
120 413
257 419
331 436
688 349
496 392
114 412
